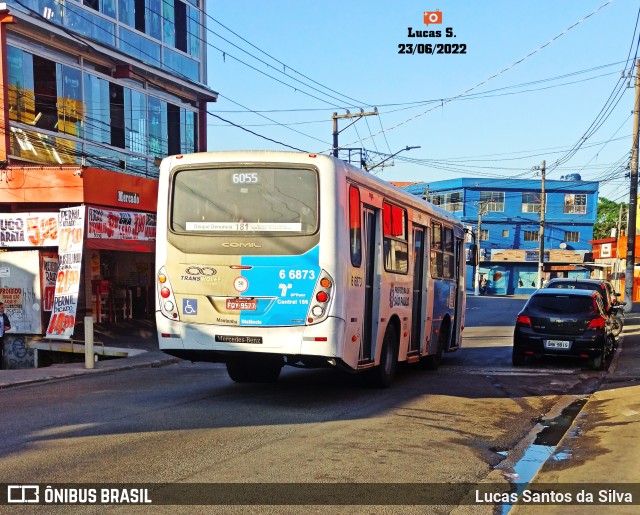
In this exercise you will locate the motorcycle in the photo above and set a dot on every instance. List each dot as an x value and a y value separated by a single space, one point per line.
617 318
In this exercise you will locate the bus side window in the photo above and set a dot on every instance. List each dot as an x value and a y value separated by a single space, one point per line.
355 231
437 260
395 245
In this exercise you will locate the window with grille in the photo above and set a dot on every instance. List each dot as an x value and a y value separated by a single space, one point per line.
531 202
493 201
484 234
531 236
575 203
571 236
452 202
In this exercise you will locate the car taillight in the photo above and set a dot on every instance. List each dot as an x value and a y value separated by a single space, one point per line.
523 320
596 323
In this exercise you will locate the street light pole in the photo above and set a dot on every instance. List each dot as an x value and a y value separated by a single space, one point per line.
389 157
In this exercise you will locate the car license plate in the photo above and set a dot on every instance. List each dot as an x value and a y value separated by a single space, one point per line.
557 344
238 304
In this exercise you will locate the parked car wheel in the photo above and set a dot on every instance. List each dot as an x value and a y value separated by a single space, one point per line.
597 362
517 357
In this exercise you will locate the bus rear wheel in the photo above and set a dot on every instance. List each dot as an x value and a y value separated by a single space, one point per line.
433 361
382 375
254 370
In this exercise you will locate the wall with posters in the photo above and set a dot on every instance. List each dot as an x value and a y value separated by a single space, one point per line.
20 290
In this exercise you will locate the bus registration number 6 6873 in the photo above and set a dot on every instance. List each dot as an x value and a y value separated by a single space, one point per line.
237 304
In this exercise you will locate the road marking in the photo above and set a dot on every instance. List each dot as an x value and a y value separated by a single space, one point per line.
520 371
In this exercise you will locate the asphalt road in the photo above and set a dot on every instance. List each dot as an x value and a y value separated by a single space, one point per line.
189 423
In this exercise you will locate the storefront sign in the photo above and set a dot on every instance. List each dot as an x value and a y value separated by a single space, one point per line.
532 255
65 300
28 229
121 225
127 197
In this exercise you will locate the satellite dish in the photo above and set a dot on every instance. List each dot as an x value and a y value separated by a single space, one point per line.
563 245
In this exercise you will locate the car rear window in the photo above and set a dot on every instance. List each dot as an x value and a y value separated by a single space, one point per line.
577 286
567 304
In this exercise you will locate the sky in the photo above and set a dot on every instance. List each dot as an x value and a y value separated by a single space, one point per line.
548 80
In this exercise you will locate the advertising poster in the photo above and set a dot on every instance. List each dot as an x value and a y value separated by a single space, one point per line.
65 299
20 290
50 273
121 225
28 229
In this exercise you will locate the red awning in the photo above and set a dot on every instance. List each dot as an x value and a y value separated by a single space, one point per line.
122 245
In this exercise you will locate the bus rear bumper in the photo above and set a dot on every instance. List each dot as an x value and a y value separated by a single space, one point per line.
200 342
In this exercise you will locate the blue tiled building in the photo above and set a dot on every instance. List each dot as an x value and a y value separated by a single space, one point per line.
510 225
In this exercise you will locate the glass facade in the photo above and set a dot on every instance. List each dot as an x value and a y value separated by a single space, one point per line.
72 115
163 33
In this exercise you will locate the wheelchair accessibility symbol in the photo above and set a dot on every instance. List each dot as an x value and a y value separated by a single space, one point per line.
190 306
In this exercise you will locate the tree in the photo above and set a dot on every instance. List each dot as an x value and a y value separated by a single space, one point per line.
607 218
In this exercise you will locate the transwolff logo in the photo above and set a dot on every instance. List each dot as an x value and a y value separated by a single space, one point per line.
235 245
128 198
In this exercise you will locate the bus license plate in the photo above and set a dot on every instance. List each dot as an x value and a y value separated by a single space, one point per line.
557 344
238 304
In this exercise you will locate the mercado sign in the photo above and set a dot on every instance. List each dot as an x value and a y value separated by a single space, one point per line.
120 225
28 229
65 299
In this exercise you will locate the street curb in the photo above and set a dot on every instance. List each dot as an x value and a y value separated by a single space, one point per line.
60 373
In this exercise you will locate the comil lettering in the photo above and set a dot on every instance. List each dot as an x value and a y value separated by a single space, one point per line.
234 245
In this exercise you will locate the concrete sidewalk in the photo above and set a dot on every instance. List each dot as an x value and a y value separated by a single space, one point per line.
136 359
601 449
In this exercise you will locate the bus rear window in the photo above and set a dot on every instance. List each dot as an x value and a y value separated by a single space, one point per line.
245 200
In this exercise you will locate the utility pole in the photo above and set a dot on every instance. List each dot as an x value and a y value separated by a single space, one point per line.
476 288
617 267
543 168
335 117
633 201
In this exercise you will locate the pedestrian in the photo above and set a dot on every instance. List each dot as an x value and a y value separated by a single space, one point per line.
483 286
5 325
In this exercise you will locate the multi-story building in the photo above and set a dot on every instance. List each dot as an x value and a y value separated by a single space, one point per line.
94 94
113 85
508 212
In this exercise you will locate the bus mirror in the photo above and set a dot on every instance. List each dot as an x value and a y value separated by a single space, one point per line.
473 255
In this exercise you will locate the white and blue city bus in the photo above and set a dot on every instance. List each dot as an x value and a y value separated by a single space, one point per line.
266 259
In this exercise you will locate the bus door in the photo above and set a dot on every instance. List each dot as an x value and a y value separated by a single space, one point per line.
459 260
419 290
369 332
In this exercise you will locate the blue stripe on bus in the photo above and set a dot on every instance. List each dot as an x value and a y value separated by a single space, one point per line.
287 280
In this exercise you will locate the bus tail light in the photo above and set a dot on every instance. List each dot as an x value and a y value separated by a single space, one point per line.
319 308
166 299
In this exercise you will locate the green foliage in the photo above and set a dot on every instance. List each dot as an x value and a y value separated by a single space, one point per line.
607 219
